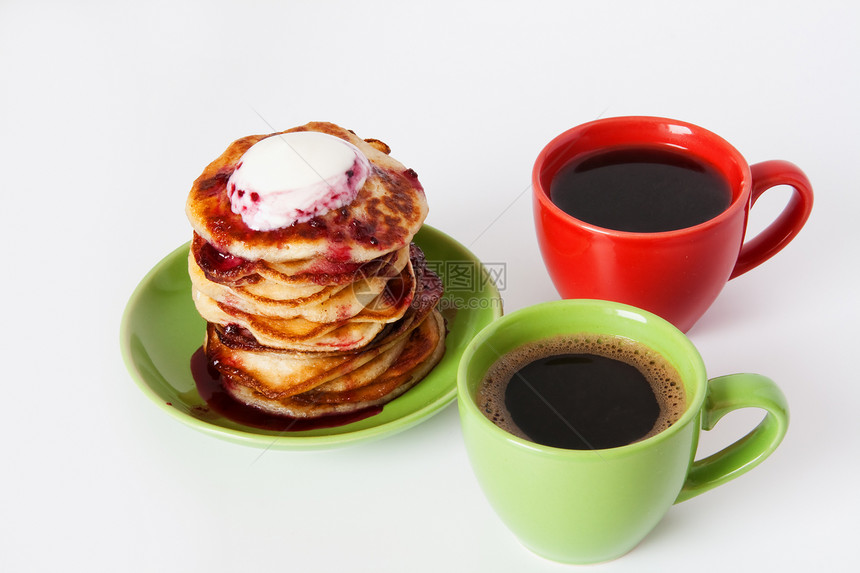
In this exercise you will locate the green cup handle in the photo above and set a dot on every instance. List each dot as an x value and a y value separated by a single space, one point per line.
725 394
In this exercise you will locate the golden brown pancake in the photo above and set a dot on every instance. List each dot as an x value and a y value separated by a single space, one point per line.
223 268
291 333
385 215
422 351
329 272
278 374
317 303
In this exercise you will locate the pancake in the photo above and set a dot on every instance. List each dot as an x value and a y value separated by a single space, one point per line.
331 272
290 333
276 374
423 350
385 215
314 302
223 268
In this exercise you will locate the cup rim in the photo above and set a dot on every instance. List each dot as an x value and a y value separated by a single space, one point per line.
739 201
623 312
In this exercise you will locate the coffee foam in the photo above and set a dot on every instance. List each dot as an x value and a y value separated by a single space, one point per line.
661 375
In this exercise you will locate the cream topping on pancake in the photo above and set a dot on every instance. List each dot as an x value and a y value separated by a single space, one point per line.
386 213
290 178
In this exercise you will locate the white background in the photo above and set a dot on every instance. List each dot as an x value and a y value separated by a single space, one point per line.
108 112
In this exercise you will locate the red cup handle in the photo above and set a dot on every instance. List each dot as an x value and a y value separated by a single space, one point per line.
778 234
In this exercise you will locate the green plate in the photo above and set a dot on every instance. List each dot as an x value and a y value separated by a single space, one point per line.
161 330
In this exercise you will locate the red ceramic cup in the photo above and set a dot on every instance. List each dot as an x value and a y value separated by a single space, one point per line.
675 274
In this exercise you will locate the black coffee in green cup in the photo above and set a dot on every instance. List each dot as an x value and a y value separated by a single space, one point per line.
582 392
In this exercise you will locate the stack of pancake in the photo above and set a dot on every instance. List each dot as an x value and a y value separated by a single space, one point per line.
328 316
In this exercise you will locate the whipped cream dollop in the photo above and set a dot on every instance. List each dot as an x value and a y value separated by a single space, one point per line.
293 177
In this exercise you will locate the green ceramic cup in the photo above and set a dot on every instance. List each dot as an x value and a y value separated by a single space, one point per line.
588 506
